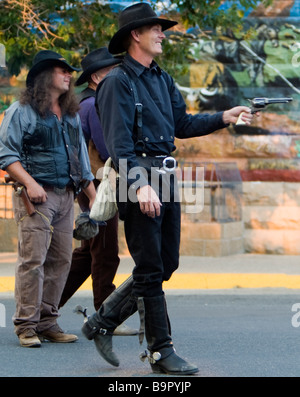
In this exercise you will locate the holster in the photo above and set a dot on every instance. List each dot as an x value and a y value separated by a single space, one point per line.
20 190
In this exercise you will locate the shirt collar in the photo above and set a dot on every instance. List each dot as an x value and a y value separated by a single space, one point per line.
138 68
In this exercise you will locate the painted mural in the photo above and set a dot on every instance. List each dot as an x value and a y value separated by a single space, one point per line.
227 69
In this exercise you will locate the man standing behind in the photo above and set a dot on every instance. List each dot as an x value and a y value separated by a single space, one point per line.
43 149
97 256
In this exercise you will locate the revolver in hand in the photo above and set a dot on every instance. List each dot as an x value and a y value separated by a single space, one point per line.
258 104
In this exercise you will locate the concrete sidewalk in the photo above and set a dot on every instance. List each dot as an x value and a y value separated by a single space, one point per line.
201 273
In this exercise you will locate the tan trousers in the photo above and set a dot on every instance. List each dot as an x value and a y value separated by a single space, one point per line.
45 252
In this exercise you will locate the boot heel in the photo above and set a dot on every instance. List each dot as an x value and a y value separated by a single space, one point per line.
174 365
156 369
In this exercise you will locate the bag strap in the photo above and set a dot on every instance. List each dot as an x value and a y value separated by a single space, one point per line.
107 167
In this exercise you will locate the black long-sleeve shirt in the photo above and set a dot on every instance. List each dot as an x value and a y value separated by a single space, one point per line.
164 114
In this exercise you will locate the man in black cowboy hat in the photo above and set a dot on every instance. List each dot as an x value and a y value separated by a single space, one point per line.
97 256
43 149
142 111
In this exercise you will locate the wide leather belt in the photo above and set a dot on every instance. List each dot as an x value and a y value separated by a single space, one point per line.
57 190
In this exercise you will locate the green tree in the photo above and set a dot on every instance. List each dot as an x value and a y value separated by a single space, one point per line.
76 27
72 28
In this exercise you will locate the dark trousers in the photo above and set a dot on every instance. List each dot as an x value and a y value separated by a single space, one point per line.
98 257
154 245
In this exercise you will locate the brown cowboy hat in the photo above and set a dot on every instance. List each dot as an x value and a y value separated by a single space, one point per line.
133 17
96 60
46 59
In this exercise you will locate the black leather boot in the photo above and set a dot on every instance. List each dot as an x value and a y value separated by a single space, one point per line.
162 356
116 308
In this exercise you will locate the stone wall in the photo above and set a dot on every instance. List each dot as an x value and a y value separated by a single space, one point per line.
212 239
270 224
212 229
271 215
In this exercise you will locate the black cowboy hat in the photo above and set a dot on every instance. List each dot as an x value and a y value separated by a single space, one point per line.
46 59
96 60
133 17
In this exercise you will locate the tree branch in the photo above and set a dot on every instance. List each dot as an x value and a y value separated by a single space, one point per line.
31 19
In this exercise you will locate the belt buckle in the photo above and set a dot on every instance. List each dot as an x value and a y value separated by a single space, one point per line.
60 191
168 159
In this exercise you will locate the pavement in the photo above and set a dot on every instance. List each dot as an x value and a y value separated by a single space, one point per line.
234 316
195 274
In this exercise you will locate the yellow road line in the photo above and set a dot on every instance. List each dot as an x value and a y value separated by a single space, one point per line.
200 281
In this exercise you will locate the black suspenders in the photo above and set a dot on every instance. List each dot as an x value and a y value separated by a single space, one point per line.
138 110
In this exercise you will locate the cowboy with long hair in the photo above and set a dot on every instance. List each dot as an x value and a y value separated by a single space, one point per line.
43 149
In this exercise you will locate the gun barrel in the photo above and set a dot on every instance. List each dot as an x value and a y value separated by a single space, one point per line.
279 100
261 103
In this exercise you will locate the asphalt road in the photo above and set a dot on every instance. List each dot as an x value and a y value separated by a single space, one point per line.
241 333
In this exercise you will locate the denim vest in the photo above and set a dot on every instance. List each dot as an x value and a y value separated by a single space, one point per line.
50 152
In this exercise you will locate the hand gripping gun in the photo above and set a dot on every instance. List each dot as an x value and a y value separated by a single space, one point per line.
20 190
258 104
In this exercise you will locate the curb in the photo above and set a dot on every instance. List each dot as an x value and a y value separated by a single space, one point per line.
199 281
